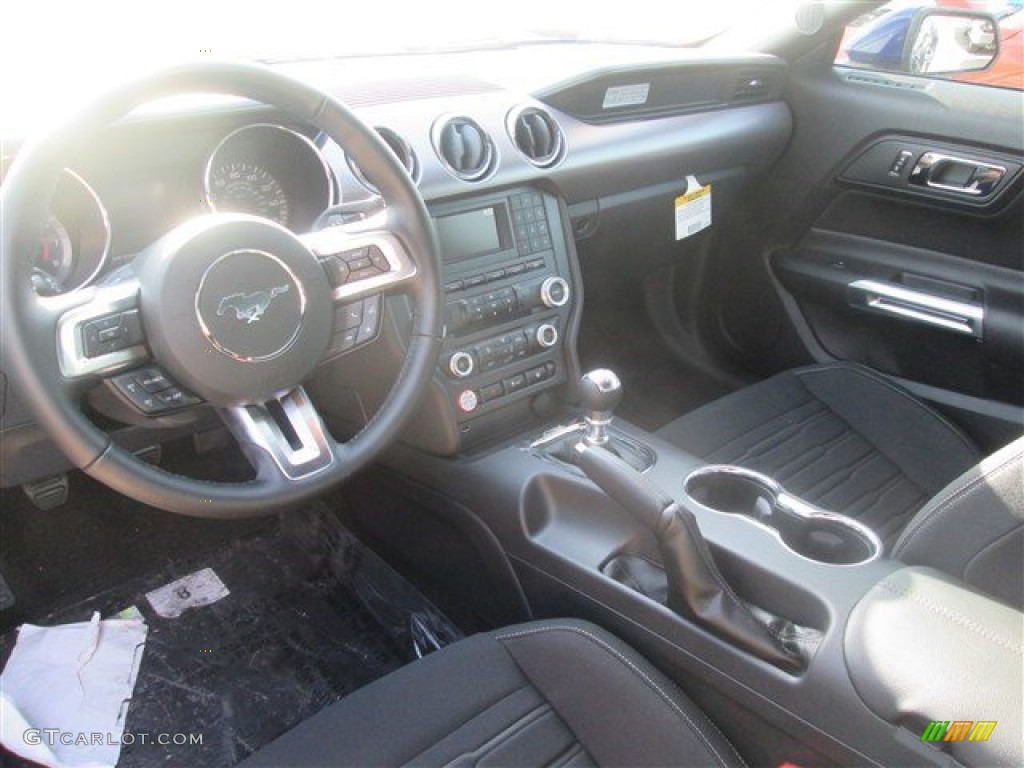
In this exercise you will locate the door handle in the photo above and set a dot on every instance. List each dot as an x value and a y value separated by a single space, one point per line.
965 317
956 174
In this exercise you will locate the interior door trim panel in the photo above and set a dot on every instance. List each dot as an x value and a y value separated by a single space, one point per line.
934 171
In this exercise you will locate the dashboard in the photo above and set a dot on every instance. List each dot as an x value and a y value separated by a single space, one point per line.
514 178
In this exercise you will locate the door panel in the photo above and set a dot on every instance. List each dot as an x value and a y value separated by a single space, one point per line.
914 266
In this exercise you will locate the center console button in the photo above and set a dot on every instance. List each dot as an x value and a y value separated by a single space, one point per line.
461 365
547 336
468 401
554 292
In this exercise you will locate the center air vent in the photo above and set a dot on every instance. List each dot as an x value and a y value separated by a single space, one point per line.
403 151
464 147
536 134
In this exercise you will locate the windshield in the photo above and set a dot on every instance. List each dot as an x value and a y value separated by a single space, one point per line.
76 47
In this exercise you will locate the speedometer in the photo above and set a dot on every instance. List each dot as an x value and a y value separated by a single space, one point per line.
270 171
244 187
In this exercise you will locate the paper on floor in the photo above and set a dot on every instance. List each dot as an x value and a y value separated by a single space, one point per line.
65 691
193 591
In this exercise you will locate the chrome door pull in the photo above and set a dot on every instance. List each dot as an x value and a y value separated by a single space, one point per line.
956 174
964 317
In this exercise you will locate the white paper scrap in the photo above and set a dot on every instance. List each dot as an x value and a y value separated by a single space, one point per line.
65 691
693 209
193 591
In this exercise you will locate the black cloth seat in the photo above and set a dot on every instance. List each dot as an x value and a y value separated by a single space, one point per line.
851 441
839 436
555 693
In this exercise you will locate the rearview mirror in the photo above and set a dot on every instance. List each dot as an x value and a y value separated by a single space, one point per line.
944 41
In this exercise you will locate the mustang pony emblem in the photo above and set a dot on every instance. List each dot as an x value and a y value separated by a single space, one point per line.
250 306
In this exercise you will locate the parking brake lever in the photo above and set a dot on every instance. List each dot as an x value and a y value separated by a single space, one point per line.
696 588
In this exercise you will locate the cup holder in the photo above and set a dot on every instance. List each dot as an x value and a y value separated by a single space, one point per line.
825 537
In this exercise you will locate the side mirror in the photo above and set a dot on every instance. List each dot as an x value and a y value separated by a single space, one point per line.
942 41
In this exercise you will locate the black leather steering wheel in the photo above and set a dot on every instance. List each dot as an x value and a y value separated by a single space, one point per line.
235 307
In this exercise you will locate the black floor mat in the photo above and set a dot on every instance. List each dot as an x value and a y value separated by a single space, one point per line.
312 614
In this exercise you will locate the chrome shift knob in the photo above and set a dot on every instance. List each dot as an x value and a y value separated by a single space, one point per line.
600 392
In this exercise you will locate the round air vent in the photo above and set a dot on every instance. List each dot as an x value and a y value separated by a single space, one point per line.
536 134
403 151
464 148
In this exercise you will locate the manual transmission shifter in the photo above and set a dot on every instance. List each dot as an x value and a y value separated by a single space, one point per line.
697 590
600 392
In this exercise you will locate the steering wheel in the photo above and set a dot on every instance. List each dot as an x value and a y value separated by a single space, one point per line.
236 308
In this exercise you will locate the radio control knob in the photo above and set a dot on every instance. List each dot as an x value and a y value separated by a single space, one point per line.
554 292
547 336
461 365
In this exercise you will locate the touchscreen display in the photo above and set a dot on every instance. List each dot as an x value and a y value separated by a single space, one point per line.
470 233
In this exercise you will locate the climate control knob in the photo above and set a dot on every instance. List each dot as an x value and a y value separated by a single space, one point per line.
461 365
547 336
554 292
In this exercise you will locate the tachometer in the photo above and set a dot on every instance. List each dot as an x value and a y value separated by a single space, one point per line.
75 242
55 256
248 188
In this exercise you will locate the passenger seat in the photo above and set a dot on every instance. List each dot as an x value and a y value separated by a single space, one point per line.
848 440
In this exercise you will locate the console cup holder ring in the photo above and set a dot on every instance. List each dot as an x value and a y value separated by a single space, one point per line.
808 531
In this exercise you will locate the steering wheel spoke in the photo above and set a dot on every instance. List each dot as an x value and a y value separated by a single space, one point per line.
101 333
361 259
286 430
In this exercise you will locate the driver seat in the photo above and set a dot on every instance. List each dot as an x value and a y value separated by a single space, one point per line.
554 693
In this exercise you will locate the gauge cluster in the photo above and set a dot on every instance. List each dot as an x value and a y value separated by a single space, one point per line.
75 242
270 171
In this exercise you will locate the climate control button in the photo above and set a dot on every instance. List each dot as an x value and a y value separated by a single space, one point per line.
554 292
461 365
547 336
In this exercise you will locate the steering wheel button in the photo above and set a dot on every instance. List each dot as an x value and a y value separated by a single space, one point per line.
348 340
348 316
153 380
371 308
337 271
131 324
366 331
379 260
174 397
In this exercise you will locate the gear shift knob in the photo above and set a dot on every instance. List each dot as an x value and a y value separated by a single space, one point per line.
600 391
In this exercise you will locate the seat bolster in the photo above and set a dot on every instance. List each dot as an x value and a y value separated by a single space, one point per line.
545 693
402 715
926 446
621 708
974 528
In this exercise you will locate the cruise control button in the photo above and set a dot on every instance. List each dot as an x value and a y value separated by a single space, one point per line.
175 397
152 380
348 316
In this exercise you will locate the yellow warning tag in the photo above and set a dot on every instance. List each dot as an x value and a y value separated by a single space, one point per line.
693 209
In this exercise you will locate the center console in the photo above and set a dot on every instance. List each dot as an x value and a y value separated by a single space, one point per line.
782 619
